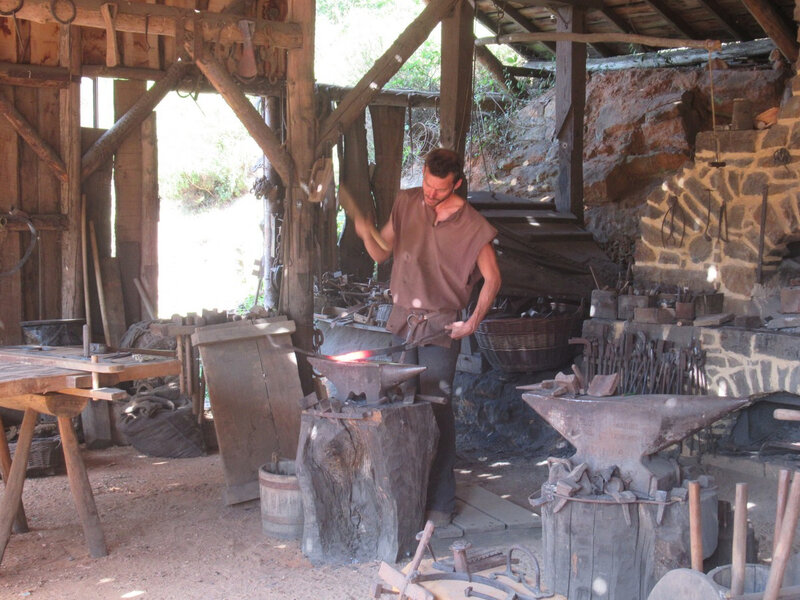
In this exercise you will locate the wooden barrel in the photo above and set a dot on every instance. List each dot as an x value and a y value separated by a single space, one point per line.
281 502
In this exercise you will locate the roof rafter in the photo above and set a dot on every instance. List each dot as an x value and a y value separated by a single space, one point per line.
520 49
719 14
775 26
672 18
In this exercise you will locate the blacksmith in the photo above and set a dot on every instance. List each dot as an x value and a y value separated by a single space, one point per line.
442 247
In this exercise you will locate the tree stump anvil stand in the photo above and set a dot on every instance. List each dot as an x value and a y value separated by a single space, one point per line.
64 408
363 477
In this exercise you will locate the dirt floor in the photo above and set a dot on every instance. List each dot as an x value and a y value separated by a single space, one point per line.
169 535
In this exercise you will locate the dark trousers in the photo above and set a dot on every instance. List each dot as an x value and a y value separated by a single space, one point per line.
437 380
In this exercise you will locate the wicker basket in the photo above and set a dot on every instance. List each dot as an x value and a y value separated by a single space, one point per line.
529 344
46 457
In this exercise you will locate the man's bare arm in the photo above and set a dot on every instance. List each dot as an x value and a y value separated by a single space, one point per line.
487 265
364 230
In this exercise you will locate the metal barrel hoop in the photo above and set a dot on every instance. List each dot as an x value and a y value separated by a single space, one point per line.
54 11
13 11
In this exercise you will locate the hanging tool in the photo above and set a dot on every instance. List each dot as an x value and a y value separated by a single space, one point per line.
723 222
717 163
668 226
761 234
351 209
706 234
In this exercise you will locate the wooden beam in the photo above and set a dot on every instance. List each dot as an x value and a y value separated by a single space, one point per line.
520 49
297 289
159 19
458 43
734 51
269 143
621 24
570 106
774 26
520 20
35 76
585 38
723 18
384 68
105 147
672 19
504 78
584 4
26 131
69 101
529 26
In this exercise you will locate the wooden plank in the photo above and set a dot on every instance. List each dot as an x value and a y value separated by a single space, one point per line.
12 496
31 357
570 105
105 393
252 387
283 389
240 330
150 209
57 405
115 307
499 508
354 172
11 290
472 520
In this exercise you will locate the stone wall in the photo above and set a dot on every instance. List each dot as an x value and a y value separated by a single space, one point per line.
703 260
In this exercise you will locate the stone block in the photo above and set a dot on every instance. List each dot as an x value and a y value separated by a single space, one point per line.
736 342
705 142
790 110
738 141
796 79
778 345
644 253
738 279
740 250
670 258
699 249
794 136
735 216
734 180
754 183
777 135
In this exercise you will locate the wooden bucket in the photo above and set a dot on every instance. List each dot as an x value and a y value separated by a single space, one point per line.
281 502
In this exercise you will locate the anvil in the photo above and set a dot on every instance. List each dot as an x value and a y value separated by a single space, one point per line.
626 430
370 378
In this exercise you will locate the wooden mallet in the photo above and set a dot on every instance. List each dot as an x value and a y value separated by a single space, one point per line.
352 211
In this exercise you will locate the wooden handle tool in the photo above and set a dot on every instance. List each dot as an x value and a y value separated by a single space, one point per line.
352 211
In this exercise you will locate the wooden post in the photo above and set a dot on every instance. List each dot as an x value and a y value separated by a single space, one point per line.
81 490
458 42
297 298
355 177
570 104
784 476
108 143
12 496
775 27
739 552
20 520
784 547
150 212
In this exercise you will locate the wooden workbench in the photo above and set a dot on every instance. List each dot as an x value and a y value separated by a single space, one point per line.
60 382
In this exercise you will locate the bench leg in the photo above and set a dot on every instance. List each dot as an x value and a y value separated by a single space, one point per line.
81 490
12 496
20 521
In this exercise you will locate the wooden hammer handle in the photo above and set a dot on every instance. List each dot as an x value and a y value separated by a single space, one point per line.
352 211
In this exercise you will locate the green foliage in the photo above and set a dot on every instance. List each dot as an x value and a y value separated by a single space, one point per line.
211 188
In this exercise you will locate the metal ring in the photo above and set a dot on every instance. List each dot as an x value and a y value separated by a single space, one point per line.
54 3
13 11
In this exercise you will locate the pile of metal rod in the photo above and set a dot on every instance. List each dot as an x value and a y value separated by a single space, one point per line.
351 300
645 366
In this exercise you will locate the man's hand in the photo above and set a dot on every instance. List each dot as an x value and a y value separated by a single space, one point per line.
459 329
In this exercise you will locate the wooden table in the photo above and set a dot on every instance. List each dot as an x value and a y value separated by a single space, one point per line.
60 382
